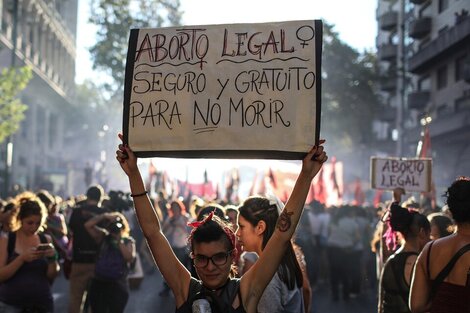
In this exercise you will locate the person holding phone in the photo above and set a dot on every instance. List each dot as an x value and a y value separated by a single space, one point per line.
28 260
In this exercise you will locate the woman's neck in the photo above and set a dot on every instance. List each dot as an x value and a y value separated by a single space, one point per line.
411 245
463 229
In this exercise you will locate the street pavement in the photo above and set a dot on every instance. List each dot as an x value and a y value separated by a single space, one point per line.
145 299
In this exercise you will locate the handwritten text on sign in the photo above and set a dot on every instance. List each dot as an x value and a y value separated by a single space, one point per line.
410 174
245 87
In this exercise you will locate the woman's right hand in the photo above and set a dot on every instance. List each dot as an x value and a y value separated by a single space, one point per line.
126 158
31 255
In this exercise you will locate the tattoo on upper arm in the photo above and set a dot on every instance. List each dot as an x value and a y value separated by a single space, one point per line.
284 222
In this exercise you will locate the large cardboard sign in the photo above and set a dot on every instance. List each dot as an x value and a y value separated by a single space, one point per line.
410 174
228 91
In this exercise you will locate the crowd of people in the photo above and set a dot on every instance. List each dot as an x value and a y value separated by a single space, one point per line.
255 256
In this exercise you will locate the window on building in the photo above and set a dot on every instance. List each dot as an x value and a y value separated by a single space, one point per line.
424 84
460 67
443 5
442 77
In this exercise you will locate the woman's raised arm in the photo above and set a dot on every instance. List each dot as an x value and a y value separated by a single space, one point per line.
175 274
257 278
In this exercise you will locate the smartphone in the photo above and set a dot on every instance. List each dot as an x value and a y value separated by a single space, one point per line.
44 246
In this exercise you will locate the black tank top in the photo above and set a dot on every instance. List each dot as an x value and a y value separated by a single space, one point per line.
221 303
395 290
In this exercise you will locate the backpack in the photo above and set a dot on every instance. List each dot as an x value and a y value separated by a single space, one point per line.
110 264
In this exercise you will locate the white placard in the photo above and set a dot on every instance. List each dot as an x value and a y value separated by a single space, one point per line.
410 174
238 90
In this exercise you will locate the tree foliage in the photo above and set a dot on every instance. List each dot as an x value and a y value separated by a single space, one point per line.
12 82
349 98
114 19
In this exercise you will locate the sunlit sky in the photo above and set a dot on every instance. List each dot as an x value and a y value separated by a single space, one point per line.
354 21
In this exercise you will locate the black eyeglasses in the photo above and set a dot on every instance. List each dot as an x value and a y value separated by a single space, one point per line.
217 259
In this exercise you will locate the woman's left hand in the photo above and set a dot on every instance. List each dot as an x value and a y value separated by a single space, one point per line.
314 160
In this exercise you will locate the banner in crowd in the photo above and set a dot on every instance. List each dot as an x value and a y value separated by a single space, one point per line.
411 174
224 91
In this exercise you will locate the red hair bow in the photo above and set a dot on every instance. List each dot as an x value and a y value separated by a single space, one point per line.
196 224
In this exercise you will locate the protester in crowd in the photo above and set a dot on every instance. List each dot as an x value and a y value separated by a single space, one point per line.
109 289
256 224
176 230
313 243
441 225
56 226
357 261
378 244
6 216
84 248
394 286
28 260
212 245
441 281
343 236
195 206
305 240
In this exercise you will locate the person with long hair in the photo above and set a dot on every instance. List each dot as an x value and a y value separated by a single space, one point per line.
28 260
212 245
394 285
257 222
441 280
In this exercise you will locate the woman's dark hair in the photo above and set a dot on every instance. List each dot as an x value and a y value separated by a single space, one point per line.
46 198
256 209
407 222
211 207
443 223
214 229
458 200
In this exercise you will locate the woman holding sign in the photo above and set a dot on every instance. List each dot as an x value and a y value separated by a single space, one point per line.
212 245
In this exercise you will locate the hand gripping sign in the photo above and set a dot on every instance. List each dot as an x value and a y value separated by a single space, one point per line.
224 91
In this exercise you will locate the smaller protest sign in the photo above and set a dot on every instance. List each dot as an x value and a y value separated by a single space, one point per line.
409 174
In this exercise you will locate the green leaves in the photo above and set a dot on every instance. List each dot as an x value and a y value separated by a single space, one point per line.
12 82
114 19
349 101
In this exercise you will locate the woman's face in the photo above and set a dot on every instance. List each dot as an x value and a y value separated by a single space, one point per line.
175 208
247 236
30 224
213 276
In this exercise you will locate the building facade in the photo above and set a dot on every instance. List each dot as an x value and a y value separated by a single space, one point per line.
424 54
42 35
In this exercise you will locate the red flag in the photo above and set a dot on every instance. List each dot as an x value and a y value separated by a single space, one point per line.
333 178
377 197
272 179
320 191
359 196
